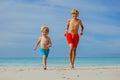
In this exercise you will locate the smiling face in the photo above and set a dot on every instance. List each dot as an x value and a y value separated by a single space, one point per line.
44 32
74 13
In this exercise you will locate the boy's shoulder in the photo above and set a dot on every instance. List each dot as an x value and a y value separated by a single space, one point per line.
48 37
40 37
79 20
69 20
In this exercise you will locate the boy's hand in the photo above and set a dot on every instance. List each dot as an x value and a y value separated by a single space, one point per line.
34 49
65 33
49 45
81 33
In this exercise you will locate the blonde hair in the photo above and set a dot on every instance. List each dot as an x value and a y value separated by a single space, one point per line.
75 11
44 28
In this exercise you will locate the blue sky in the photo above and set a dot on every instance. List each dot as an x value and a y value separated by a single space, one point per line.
20 22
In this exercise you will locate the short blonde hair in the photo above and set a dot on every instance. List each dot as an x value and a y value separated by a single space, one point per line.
75 11
44 28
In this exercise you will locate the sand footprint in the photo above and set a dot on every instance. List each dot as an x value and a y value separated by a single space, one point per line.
78 75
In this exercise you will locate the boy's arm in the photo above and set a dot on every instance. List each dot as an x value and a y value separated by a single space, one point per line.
82 28
38 42
50 43
67 27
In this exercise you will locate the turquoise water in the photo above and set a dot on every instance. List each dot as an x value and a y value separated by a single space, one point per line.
60 61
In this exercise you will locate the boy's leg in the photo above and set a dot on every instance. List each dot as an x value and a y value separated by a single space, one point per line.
73 57
75 43
44 62
70 54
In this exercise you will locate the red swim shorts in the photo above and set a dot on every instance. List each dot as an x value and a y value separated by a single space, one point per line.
72 39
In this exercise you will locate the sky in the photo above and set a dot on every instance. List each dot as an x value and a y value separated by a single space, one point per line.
20 22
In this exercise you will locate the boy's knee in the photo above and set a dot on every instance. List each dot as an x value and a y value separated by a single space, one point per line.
71 48
71 45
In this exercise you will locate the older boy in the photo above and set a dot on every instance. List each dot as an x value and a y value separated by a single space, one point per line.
72 35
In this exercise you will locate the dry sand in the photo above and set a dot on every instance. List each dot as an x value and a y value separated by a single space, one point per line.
60 73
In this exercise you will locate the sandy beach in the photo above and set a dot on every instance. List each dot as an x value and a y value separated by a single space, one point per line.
60 73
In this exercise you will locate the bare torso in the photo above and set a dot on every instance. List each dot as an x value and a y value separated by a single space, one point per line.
74 25
45 41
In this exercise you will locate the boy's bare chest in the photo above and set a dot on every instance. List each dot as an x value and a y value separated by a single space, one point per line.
74 23
44 40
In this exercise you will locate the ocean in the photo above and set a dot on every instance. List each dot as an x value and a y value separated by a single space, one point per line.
60 61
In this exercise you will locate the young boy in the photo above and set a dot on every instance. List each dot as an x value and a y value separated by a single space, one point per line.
45 42
72 35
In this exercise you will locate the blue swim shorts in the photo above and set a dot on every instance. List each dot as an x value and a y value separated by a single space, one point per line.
44 52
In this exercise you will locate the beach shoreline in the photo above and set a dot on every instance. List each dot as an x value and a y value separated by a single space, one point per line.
59 73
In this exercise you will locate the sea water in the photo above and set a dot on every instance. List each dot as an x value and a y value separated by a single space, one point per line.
61 61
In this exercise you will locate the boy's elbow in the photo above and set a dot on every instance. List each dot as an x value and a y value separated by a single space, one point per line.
50 45
82 27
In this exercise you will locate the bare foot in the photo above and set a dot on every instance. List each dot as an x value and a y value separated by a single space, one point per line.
44 67
70 65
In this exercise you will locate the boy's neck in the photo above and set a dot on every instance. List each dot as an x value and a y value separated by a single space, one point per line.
74 18
44 35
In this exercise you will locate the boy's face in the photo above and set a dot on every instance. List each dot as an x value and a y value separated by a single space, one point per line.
74 15
44 32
